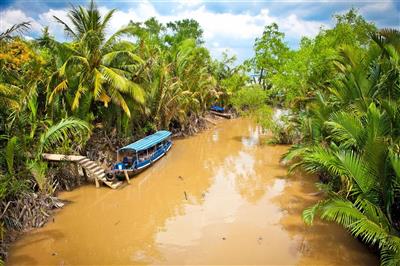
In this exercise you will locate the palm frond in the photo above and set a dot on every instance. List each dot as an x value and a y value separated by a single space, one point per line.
67 29
122 84
16 28
97 83
81 90
10 152
119 100
58 133
108 58
62 86
346 129
38 170
127 30
360 225
355 167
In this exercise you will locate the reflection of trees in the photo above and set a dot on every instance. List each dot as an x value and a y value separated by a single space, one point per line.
241 170
314 241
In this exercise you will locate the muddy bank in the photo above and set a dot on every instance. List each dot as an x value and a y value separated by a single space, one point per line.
216 198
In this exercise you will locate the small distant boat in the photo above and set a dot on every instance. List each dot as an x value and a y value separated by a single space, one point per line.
220 111
217 108
141 154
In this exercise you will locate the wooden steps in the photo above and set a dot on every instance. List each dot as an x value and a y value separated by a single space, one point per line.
93 169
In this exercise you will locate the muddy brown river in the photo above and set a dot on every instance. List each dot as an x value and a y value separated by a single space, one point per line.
220 197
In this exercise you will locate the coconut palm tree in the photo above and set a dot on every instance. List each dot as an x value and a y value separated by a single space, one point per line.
97 69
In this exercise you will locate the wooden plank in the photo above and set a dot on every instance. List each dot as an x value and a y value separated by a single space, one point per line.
127 176
62 157
97 182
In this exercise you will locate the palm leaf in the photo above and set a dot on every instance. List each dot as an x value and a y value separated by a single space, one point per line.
395 161
346 129
58 133
9 153
67 29
98 81
108 58
119 100
356 168
38 170
16 28
81 90
62 86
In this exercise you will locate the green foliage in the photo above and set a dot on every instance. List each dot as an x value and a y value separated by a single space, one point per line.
9 154
182 30
270 55
38 170
60 132
11 186
96 68
249 99
363 219
345 96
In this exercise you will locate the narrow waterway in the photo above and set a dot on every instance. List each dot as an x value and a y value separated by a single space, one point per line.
219 197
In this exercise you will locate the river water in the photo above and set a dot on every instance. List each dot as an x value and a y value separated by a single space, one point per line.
220 197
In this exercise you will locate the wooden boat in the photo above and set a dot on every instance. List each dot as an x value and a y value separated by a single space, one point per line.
219 111
217 108
141 154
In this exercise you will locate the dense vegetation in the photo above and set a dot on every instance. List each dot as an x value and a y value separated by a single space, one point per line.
339 93
342 93
54 96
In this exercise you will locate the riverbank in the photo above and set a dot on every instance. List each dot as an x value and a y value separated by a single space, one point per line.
232 202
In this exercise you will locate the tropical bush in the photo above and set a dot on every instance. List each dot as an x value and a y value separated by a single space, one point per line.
249 98
343 92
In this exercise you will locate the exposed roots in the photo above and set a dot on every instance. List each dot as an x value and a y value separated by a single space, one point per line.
30 210
66 176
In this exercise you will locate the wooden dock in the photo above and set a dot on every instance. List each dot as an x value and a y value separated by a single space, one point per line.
92 168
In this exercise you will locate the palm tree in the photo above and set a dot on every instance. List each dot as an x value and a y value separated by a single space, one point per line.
358 152
96 69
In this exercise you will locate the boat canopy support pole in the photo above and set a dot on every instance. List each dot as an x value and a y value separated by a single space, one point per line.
97 182
127 176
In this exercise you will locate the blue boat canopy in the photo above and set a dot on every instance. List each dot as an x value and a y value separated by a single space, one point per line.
147 142
217 108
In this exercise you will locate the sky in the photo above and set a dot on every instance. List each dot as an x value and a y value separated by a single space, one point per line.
230 26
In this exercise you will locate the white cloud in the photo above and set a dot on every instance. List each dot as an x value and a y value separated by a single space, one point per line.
295 27
55 28
222 30
10 17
